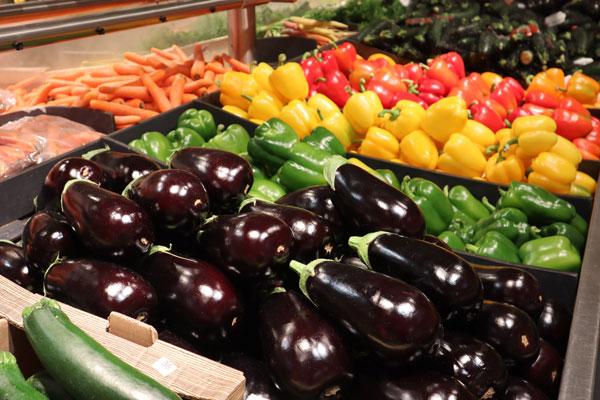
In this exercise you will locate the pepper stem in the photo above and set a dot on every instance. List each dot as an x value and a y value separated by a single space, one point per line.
491 149
471 248
249 98
90 154
305 271
361 244
487 204
42 303
393 113
361 85
330 168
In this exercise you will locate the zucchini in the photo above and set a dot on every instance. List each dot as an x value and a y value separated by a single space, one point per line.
79 364
44 383
12 383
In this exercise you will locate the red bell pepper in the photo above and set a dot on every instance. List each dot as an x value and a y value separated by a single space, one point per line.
328 61
415 72
409 96
440 70
594 135
429 98
336 86
569 103
570 124
528 109
586 155
345 54
432 86
362 71
478 83
487 116
400 71
312 72
584 144
516 87
503 94
456 63
516 113
380 62
497 107
543 99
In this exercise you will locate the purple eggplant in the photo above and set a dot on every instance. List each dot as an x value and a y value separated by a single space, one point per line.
14 266
394 319
176 200
369 203
122 168
447 279
510 330
169 336
101 287
194 294
354 261
62 172
304 352
544 372
46 236
318 199
259 385
519 389
247 245
437 241
513 286
554 324
109 224
226 176
313 236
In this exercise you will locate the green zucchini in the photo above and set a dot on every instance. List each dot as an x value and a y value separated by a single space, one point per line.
79 364
44 383
12 383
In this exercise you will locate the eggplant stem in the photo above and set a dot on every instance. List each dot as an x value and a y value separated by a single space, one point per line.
90 154
330 168
304 272
361 244
159 249
127 191
56 260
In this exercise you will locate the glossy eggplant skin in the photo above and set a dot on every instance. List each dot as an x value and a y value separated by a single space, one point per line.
194 294
259 385
520 389
447 279
510 330
313 237
226 176
394 319
438 242
62 172
304 352
46 236
372 205
166 335
554 324
246 245
176 200
109 224
513 286
14 267
354 261
318 199
545 371
122 168
101 287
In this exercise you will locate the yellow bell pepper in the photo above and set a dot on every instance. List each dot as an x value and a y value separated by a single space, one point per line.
504 171
445 117
503 136
300 117
585 181
405 118
536 178
533 123
377 56
236 111
261 74
362 111
567 149
554 167
323 105
360 164
583 88
419 150
462 157
265 106
491 78
236 88
340 127
257 121
289 82
379 143
532 143
479 134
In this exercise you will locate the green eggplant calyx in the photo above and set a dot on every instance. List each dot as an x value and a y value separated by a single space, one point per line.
278 289
7 358
7 241
90 154
252 201
69 183
44 302
330 168
127 191
57 260
361 244
159 249
305 271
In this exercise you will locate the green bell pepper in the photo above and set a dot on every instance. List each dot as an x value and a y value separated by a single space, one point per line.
434 205
234 139
275 138
389 177
294 176
154 144
464 200
462 217
517 232
452 240
306 155
139 146
277 179
323 139
567 230
265 189
185 137
258 173
537 203
497 246
201 121
508 214
580 224
555 252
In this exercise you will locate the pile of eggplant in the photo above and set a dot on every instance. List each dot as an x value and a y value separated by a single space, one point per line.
332 292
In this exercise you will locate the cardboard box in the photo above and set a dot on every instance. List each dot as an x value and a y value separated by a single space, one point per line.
190 375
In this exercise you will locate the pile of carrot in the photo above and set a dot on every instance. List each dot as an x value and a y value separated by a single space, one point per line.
138 88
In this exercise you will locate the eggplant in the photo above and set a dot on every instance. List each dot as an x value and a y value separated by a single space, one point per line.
447 279
520 389
354 261
226 176
247 245
371 204
176 200
259 385
510 330
14 266
304 352
62 172
166 335
313 237
101 287
554 324
544 372
195 295
513 286
121 168
46 236
394 319
109 224
437 241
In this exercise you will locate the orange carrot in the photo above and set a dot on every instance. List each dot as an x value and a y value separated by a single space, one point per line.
110 87
25 82
62 82
58 96
41 94
169 81
95 82
195 85
209 75
135 58
84 100
121 109
216 67
178 69
187 97
198 52
150 106
159 75
60 90
237 65
68 76
137 103
180 53
64 101
119 127
197 70
118 100
127 69
164 54
79 90
127 119
157 93
105 96
102 72
212 88
201 92
155 62
176 93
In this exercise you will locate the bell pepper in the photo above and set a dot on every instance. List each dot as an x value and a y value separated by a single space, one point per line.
456 63
554 252
444 118
510 168
201 121
338 124
541 180
555 167
463 199
185 137
478 84
583 88
419 150
462 229
567 150
405 118
236 87
379 57
479 134
328 61
236 111
543 99
272 143
491 79
594 135
415 72
462 157
442 71
580 224
587 147
508 213
431 90
261 74
302 118
362 111
323 105
517 232
567 230
452 240
503 136
398 96
537 203
585 181
386 84
335 86
234 139
434 205
389 177
533 123
264 106
487 116
460 216
379 143
362 71
550 81
516 88
576 190
570 124
257 172
267 190
153 144
294 176
323 139
496 246
497 107
345 55
504 94
571 104
289 82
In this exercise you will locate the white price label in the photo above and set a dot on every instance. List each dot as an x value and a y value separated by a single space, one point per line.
164 366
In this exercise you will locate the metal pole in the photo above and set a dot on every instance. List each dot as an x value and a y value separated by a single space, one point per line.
241 23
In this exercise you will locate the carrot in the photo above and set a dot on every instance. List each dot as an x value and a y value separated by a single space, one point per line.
135 58
60 90
197 70
150 106
209 75
110 87
68 76
237 65
159 75
121 109
105 96
157 93
58 96
127 69
65 101
62 82
176 93
25 82
84 100
118 100
178 69
133 92
180 53
198 52
79 90
187 97
195 85
127 119
102 72
137 103
216 67
164 54
212 88
41 94
201 92
95 82
155 62
119 127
